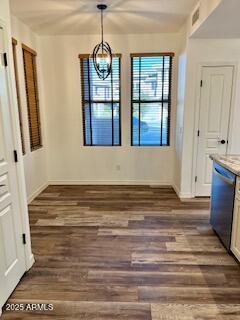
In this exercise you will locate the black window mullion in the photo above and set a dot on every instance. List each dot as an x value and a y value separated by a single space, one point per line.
119 104
139 104
161 131
132 136
112 108
151 101
83 101
90 101
101 101
169 98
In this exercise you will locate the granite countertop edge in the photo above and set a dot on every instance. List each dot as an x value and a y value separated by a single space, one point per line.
229 162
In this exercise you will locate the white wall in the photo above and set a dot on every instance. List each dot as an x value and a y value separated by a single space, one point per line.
68 160
202 51
35 165
193 54
4 11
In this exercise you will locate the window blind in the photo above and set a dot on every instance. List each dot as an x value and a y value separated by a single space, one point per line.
151 78
101 104
30 71
14 44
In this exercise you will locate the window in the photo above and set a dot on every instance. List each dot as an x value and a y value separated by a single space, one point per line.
14 45
100 104
151 99
30 71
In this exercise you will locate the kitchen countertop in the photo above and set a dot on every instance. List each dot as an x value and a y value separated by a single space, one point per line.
230 162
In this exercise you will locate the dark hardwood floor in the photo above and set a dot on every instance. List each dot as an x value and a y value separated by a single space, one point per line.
126 253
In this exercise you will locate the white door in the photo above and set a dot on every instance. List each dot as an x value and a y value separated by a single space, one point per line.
12 259
215 104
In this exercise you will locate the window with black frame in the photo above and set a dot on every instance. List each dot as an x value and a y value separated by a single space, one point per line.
151 99
101 104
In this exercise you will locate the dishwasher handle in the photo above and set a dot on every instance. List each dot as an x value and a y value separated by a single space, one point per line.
224 178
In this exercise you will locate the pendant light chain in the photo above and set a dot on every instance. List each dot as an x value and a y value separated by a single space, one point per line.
102 24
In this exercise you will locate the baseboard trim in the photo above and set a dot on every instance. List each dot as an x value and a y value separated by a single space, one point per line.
185 196
176 189
111 182
37 192
182 196
30 262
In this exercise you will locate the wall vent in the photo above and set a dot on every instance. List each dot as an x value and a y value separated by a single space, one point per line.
195 16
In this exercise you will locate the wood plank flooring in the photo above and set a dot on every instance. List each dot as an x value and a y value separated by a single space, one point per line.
126 252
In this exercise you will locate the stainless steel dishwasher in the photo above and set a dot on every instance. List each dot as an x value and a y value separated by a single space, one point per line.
222 203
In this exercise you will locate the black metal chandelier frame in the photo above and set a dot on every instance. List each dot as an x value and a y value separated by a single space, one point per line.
104 50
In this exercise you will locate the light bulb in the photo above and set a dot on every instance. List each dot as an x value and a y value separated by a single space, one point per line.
108 60
98 59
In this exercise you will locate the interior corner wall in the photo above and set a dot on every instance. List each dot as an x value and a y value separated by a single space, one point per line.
180 121
69 162
35 165
200 52
182 69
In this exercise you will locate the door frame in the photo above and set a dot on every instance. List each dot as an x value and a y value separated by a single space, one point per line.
200 67
21 185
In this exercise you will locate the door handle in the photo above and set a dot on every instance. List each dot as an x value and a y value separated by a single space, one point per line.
222 141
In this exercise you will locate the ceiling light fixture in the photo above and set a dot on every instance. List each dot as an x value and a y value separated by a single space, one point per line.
102 53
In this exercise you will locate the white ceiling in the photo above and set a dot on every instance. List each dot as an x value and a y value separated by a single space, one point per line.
122 16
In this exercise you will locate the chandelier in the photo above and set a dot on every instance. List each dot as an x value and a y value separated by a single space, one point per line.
102 53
